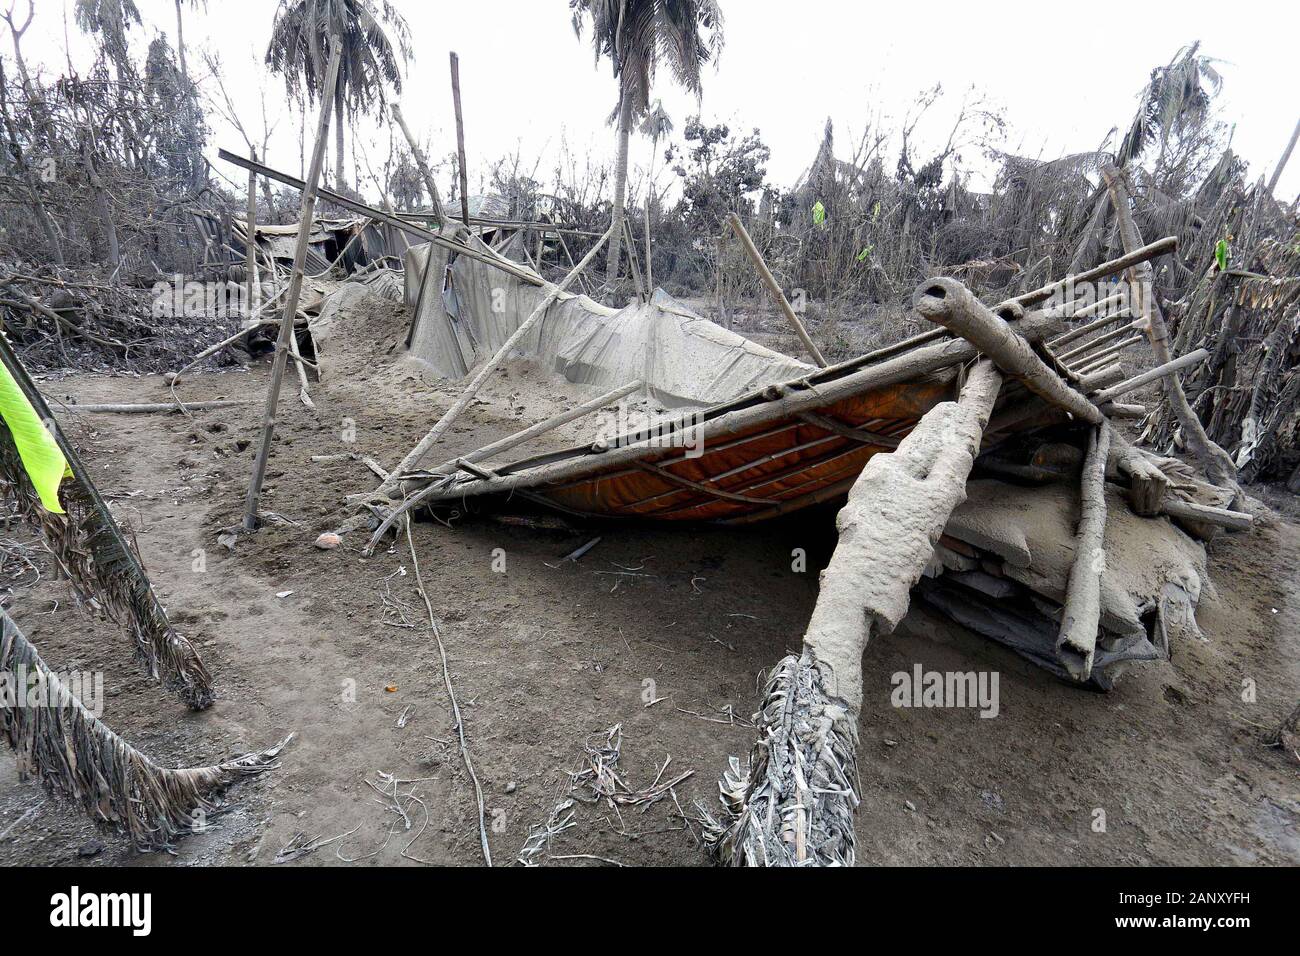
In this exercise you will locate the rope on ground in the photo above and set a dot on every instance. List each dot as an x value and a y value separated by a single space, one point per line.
451 694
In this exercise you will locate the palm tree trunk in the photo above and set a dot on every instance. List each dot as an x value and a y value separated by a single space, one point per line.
1281 163
620 188
340 182
180 43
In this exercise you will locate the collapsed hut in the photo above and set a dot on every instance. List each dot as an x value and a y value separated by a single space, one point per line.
981 465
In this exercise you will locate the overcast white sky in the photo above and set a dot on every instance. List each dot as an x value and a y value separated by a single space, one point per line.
1065 76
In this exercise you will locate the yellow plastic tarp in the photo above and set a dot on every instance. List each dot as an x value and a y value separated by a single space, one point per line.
40 453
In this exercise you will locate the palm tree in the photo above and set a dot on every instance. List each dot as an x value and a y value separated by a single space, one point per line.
1175 99
636 35
656 124
110 20
180 34
370 63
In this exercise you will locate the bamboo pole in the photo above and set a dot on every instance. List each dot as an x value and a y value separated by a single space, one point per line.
213 349
633 262
421 449
1219 467
1078 350
1286 156
460 140
1092 362
452 465
1076 642
1160 371
141 408
950 304
1132 256
250 263
425 173
282 346
774 289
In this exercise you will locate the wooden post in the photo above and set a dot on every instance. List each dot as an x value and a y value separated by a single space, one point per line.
1077 640
1219 467
774 289
417 453
250 263
633 262
1166 371
282 344
796 805
418 154
460 139
950 304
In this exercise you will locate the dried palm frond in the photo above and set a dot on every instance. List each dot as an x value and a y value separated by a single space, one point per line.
100 563
78 758
794 804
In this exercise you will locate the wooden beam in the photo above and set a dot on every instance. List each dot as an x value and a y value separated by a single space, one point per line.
949 303
460 139
1160 371
863 435
1076 641
703 489
425 172
282 345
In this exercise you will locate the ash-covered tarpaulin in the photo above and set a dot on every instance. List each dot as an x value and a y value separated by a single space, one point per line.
684 360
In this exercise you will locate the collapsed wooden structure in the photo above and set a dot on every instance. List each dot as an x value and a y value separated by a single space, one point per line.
1020 394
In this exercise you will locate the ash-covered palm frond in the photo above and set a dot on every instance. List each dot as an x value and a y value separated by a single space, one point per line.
78 758
793 805
375 47
371 59
638 35
100 563
1176 97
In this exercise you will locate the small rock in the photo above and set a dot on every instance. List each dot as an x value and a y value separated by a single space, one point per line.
93 848
910 806
890 743
328 541
511 787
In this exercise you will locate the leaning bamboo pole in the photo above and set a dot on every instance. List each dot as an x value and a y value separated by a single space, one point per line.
282 345
451 466
1216 462
774 288
416 455
794 806
421 164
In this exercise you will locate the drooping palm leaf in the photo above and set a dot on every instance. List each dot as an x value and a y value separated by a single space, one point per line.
100 563
78 758
793 805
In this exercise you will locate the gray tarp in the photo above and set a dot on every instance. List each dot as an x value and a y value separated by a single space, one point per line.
684 360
